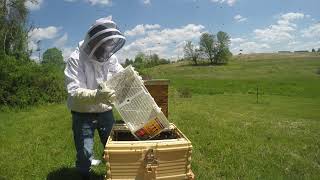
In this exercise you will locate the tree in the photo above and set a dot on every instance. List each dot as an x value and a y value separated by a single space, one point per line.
128 62
154 59
53 57
223 55
139 60
164 61
313 50
13 27
318 50
216 48
222 48
190 52
223 39
207 43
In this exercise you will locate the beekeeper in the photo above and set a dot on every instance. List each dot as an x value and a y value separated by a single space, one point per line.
89 99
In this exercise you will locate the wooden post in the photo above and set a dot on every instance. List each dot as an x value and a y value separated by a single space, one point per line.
257 94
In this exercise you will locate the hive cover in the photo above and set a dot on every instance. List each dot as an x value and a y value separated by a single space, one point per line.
136 106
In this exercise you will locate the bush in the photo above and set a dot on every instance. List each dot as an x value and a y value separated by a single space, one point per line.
23 82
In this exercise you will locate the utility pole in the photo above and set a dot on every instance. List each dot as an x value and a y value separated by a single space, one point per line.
39 49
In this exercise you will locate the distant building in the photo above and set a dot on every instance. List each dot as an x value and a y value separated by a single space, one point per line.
284 51
302 51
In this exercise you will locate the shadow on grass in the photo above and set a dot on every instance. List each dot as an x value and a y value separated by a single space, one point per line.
66 173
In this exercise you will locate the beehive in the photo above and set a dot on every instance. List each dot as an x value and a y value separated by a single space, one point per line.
166 156
159 91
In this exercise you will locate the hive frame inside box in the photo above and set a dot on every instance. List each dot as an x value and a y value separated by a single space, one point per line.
149 159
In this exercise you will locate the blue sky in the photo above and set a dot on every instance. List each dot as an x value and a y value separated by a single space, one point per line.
163 26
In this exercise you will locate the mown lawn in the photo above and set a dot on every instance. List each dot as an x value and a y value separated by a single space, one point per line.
233 136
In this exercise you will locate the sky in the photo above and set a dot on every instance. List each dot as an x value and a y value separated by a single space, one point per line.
164 26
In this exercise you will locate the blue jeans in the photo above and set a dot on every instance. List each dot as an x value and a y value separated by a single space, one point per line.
83 126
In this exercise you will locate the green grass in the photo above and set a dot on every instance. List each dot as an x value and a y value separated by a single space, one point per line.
233 136
38 144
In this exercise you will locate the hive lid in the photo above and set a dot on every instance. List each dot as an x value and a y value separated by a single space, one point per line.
157 82
136 106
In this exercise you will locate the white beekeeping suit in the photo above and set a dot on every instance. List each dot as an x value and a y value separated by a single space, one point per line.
92 63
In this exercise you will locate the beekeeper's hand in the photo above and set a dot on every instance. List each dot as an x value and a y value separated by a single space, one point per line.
104 94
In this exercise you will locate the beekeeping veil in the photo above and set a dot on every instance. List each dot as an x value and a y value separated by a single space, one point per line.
103 39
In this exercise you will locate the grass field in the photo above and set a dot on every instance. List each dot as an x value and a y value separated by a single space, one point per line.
233 135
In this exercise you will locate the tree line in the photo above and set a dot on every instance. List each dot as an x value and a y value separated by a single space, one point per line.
142 61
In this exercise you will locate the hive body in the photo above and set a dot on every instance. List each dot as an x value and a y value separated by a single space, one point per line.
150 159
167 156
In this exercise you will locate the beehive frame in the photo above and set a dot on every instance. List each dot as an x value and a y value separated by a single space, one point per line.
136 106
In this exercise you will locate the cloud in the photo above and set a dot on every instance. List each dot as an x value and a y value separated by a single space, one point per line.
146 1
39 34
284 34
66 52
281 31
33 6
43 33
229 2
312 31
250 47
141 29
94 2
49 33
167 43
35 58
99 2
303 45
239 18
292 16
237 40
61 42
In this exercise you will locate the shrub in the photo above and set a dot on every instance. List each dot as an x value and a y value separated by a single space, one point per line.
24 82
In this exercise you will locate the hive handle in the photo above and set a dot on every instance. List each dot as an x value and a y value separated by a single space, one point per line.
151 162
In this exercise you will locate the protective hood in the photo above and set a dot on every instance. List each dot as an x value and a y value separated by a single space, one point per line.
102 40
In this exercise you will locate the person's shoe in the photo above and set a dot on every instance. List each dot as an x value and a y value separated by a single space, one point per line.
95 162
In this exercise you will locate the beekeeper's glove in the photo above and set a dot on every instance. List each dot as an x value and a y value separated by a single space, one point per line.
95 162
103 94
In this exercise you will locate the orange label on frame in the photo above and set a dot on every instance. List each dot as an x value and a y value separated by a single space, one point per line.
153 127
